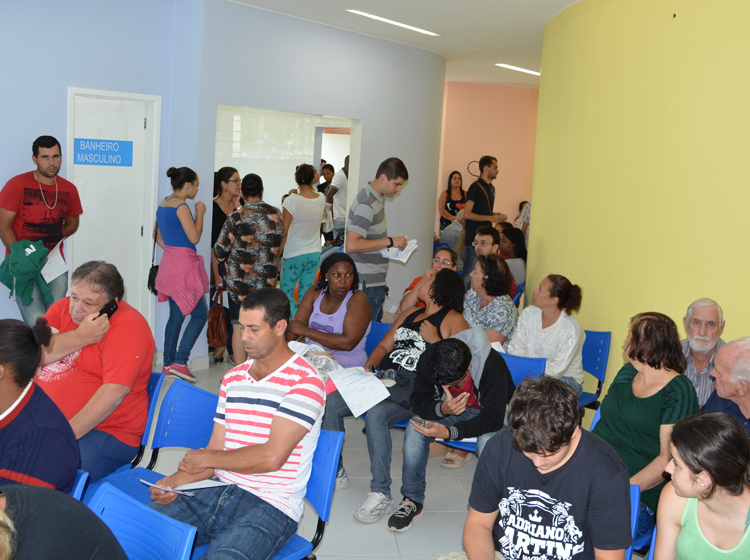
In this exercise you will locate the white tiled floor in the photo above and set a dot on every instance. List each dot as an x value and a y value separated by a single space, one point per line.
436 532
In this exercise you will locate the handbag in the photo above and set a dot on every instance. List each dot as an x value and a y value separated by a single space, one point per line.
217 322
154 270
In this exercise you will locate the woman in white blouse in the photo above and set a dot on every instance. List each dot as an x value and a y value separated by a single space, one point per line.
300 246
546 329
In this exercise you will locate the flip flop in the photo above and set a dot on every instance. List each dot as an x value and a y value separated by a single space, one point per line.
455 461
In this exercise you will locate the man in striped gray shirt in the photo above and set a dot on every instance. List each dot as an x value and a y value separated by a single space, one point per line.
704 323
366 231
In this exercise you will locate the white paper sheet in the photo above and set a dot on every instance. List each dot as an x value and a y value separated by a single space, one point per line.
55 265
187 489
403 255
360 390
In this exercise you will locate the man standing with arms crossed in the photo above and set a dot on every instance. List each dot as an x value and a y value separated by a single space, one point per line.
367 231
480 200
39 205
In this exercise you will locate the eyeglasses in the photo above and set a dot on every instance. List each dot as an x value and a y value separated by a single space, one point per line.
238 181
441 261
322 328
481 244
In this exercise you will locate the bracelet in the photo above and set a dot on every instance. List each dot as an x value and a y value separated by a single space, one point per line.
391 242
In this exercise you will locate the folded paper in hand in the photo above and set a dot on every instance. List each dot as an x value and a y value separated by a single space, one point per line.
403 255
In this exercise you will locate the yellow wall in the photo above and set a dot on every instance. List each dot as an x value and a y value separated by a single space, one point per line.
641 190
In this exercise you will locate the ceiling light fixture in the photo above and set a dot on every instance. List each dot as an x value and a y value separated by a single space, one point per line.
517 69
378 18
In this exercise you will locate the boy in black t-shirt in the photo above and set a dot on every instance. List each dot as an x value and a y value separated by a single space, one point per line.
545 488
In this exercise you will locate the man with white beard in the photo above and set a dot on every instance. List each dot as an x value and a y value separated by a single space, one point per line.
704 323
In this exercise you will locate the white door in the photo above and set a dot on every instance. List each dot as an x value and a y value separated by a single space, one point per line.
110 154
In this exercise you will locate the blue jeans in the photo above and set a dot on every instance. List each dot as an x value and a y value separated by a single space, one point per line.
376 295
103 454
577 387
379 445
198 318
470 261
30 313
417 450
236 523
302 269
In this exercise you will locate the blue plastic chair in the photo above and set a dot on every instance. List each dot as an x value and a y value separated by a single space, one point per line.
79 484
520 367
517 298
595 419
143 533
376 334
319 494
595 355
635 504
653 545
186 419
153 390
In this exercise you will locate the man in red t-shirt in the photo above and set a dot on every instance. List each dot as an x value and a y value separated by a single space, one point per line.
96 370
39 205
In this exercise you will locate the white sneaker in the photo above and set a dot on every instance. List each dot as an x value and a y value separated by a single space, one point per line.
376 506
342 481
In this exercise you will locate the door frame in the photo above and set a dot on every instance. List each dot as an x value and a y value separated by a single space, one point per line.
150 174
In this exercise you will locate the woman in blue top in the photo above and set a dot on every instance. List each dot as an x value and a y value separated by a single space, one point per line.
182 277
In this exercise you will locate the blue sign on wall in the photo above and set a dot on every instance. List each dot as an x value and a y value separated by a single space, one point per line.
88 151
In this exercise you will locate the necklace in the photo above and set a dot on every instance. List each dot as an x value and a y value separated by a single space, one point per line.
41 190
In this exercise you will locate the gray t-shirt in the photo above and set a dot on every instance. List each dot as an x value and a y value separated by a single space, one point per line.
367 218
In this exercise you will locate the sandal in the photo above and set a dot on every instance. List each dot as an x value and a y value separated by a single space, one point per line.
454 459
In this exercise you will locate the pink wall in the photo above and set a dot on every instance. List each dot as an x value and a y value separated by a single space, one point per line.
481 119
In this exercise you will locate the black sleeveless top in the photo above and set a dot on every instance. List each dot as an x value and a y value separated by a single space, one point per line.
452 207
409 344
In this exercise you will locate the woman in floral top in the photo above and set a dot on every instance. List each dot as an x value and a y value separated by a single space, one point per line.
250 244
487 303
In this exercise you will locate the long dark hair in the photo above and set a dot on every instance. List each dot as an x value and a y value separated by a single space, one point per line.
654 340
450 180
716 443
222 176
21 347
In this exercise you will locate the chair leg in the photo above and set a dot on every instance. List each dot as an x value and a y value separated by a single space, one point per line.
318 534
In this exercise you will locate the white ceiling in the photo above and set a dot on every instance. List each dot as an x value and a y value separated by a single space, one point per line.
474 34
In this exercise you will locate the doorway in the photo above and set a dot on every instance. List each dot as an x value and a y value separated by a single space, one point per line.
113 161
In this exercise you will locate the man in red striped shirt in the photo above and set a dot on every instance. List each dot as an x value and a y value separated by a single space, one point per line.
265 432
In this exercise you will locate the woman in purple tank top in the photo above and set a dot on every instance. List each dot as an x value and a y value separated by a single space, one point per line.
334 313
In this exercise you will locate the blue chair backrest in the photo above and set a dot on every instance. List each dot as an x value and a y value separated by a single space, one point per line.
142 532
596 353
635 504
653 546
186 417
325 465
377 332
79 484
596 418
517 298
152 390
521 367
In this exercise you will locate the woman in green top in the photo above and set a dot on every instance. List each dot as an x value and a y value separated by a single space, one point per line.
705 512
646 398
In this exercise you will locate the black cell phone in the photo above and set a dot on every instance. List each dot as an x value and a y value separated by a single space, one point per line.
109 308
418 420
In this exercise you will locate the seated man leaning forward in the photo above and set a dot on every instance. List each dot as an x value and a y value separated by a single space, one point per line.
462 387
265 432
97 369
546 488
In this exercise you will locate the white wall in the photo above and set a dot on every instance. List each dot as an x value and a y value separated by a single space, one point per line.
209 52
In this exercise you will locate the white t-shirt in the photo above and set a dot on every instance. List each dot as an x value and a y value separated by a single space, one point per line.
339 199
304 232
